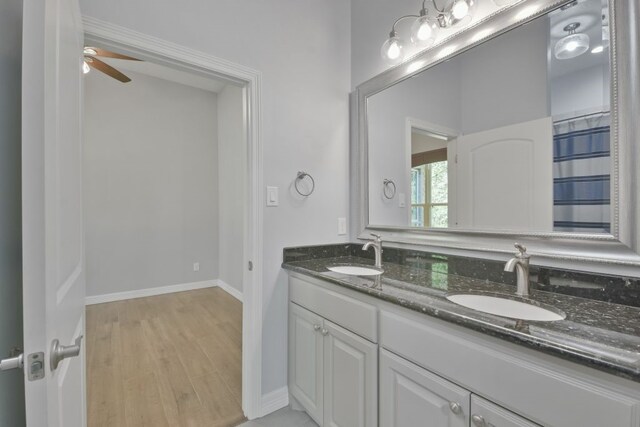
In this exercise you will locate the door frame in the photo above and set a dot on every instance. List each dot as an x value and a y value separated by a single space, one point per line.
140 45
423 125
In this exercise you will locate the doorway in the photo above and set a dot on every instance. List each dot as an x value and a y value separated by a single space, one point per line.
233 315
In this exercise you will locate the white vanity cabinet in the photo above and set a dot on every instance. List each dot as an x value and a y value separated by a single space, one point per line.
411 396
333 372
306 360
433 373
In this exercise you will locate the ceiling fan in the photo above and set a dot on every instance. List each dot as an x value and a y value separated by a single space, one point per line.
90 61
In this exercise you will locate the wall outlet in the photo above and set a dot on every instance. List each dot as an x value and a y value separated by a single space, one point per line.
342 226
402 200
196 266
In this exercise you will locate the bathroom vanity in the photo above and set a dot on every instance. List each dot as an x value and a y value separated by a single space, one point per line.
391 350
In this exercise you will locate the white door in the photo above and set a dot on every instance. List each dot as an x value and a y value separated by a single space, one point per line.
350 379
53 254
411 396
305 360
505 178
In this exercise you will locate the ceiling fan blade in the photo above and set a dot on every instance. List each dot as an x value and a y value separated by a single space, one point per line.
89 50
107 69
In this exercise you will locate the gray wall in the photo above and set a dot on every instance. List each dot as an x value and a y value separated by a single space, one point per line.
151 183
232 172
504 81
11 383
302 48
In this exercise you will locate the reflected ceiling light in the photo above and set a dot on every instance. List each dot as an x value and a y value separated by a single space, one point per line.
572 45
597 49
424 30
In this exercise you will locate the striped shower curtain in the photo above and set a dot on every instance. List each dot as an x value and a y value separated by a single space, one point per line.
581 174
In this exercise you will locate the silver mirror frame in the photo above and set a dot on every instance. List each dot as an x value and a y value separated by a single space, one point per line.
615 253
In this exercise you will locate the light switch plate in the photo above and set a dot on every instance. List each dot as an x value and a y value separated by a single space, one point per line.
342 226
272 196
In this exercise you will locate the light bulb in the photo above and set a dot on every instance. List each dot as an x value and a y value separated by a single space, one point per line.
460 9
392 50
85 67
461 12
424 32
571 46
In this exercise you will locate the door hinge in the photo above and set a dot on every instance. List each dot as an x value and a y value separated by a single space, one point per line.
250 265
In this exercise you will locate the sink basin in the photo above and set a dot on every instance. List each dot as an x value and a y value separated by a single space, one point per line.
355 270
502 306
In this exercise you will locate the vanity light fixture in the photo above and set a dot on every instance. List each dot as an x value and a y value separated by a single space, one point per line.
424 30
572 45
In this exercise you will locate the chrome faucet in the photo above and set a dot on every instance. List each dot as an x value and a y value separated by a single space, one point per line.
376 244
520 263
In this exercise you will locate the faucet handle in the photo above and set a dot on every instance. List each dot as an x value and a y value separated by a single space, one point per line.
522 251
377 237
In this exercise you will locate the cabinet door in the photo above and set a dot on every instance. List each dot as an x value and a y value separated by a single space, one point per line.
487 414
411 396
305 360
350 379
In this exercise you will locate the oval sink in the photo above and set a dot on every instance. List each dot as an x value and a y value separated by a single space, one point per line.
355 270
506 307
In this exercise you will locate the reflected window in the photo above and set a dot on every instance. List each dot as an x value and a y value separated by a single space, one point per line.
430 194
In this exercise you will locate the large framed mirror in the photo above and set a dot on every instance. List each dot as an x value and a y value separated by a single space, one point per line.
522 127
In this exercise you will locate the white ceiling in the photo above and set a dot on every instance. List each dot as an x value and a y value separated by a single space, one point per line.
166 73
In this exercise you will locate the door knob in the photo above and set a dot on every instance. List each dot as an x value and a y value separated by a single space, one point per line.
61 352
316 327
324 331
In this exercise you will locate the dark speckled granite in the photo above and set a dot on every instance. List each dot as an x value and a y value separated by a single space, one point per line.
615 289
599 334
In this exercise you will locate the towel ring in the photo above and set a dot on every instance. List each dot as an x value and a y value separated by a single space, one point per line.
388 188
302 175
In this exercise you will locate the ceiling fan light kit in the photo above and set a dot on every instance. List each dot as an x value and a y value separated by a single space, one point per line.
572 45
90 61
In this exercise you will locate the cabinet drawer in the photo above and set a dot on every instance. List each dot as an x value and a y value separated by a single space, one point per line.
538 388
351 314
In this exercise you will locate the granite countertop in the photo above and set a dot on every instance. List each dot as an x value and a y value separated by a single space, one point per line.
598 334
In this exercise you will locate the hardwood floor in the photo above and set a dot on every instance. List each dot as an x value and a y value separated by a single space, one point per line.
168 360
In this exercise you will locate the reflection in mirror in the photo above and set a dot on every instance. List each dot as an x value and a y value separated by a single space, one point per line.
512 134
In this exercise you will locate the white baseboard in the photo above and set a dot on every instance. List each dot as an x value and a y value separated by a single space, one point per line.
119 296
229 289
274 400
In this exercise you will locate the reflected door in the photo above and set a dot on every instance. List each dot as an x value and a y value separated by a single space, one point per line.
505 178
